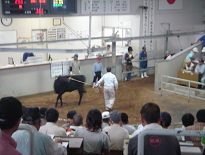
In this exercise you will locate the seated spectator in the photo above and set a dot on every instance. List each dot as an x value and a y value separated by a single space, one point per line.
187 120
77 122
125 123
95 140
70 115
168 55
166 119
51 127
199 125
26 55
200 69
43 115
43 144
105 119
139 129
116 132
150 117
189 66
10 117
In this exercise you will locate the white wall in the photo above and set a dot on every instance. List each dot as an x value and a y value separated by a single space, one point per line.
187 19
80 25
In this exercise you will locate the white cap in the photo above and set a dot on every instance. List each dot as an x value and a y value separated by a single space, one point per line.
203 50
105 114
195 49
188 60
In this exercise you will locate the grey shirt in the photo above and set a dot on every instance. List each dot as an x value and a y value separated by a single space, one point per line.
129 128
94 142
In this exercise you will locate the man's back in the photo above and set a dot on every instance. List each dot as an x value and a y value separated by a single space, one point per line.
117 135
156 145
43 144
52 129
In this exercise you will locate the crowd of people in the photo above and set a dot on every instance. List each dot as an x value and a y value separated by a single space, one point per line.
195 64
102 132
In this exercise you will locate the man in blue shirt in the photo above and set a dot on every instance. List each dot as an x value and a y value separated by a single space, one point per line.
26 55
110 86
200 69
202 39
143 62
97 70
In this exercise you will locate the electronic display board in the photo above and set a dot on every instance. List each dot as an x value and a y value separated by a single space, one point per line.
38 7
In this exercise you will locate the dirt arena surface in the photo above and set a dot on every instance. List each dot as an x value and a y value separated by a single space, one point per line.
129 98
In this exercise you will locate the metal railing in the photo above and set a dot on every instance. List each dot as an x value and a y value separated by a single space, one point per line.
137 69
165 132
27 128
188 88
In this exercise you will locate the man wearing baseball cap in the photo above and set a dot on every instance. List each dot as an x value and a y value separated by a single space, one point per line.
75 66
105 119
10 117
97 70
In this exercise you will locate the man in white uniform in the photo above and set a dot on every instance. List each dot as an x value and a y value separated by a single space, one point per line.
110 86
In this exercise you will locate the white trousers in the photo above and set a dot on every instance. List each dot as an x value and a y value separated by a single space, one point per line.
109 95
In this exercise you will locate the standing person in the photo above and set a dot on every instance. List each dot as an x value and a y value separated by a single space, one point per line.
97 70
202 39
129 66
10 117
143 62
110 86
75 66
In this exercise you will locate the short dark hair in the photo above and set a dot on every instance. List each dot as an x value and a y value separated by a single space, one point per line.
106 120
124 118
166 119
31 115
94 120
108 45
143 47
43 112
10 112
77 119
150 112
188 119
130 49
109 69
200 115
70 114
52 115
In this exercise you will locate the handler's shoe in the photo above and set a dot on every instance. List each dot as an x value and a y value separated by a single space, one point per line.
145 74
142 76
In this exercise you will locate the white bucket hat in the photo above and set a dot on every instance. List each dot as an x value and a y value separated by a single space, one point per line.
203 50
195 50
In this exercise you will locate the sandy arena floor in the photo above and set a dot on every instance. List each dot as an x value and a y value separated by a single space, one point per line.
129 98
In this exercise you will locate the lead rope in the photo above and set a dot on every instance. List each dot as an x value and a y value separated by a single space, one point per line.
95 88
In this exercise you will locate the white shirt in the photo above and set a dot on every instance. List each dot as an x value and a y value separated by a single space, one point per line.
148 126
51 128
109 79
43 144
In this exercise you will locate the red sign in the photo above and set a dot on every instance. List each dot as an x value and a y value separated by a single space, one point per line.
37 1
39 11
19 1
